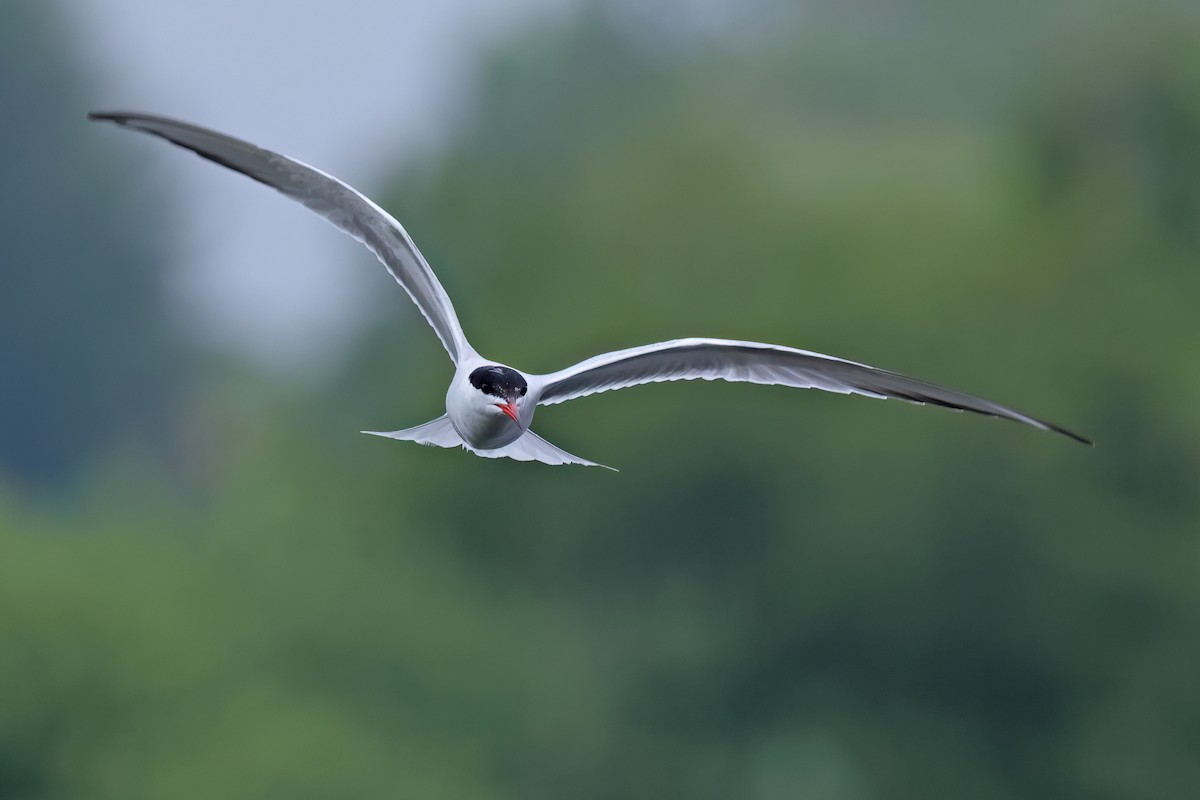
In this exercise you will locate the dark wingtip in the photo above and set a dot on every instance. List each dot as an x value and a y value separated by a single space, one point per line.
1075 436
119 117
1064 432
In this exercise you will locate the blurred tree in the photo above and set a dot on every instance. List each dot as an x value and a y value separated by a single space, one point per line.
85 351
784 594
885 602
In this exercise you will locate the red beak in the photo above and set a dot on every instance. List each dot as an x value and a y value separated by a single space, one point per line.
511 410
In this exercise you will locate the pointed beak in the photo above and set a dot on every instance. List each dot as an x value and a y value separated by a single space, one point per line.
510 409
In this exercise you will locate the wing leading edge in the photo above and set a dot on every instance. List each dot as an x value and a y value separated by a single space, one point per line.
342 205
754 362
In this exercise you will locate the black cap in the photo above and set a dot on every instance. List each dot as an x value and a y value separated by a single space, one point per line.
500 382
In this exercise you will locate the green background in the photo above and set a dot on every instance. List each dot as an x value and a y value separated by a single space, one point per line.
212 586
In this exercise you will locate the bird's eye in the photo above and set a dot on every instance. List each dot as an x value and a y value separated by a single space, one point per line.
486 388
523 390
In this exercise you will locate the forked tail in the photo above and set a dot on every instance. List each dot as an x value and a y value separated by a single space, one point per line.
439 433
529 447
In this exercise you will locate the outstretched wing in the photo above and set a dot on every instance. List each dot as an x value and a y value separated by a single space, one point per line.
342 205
753 362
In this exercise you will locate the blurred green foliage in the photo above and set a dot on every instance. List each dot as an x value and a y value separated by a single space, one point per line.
88 359
783 594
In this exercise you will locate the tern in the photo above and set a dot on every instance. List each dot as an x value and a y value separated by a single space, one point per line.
490 405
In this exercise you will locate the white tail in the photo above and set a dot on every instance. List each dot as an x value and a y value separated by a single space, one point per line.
438 433
529 447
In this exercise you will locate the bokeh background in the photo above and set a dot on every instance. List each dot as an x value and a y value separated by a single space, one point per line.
212 586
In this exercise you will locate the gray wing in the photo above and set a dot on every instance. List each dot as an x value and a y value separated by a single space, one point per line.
342 205
753 362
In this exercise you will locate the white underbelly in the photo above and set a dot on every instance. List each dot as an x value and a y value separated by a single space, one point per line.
486 432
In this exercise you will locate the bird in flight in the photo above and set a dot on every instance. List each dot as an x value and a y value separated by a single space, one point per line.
489 405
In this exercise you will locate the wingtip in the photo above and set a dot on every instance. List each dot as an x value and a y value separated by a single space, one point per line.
1072 435
118 117
121 118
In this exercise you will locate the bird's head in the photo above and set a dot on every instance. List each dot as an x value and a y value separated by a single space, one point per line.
500 389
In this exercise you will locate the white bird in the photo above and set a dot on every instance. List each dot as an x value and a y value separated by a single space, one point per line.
489 405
